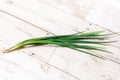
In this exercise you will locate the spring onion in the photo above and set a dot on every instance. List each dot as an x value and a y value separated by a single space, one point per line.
79 41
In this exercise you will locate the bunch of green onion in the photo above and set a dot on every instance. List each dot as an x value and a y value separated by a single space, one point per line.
79 41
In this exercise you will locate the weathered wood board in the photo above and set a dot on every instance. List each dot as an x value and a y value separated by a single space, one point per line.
24 19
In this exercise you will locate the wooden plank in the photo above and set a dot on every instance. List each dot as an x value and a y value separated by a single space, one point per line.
60 19
68 21
82 65
18 65
79 8
16 30
22 21
106 15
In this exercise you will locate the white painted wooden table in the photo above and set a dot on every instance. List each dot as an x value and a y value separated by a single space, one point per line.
24 19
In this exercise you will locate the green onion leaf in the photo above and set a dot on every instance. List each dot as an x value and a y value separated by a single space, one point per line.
77 41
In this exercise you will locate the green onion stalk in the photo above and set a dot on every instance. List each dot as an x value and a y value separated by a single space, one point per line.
78 41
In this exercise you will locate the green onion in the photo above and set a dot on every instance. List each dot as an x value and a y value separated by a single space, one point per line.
79 41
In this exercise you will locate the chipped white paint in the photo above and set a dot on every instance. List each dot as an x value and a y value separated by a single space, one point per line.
24 19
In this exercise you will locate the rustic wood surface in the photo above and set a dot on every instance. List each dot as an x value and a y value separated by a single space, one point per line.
24 19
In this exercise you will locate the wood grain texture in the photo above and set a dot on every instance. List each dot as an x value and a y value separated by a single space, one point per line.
24 19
